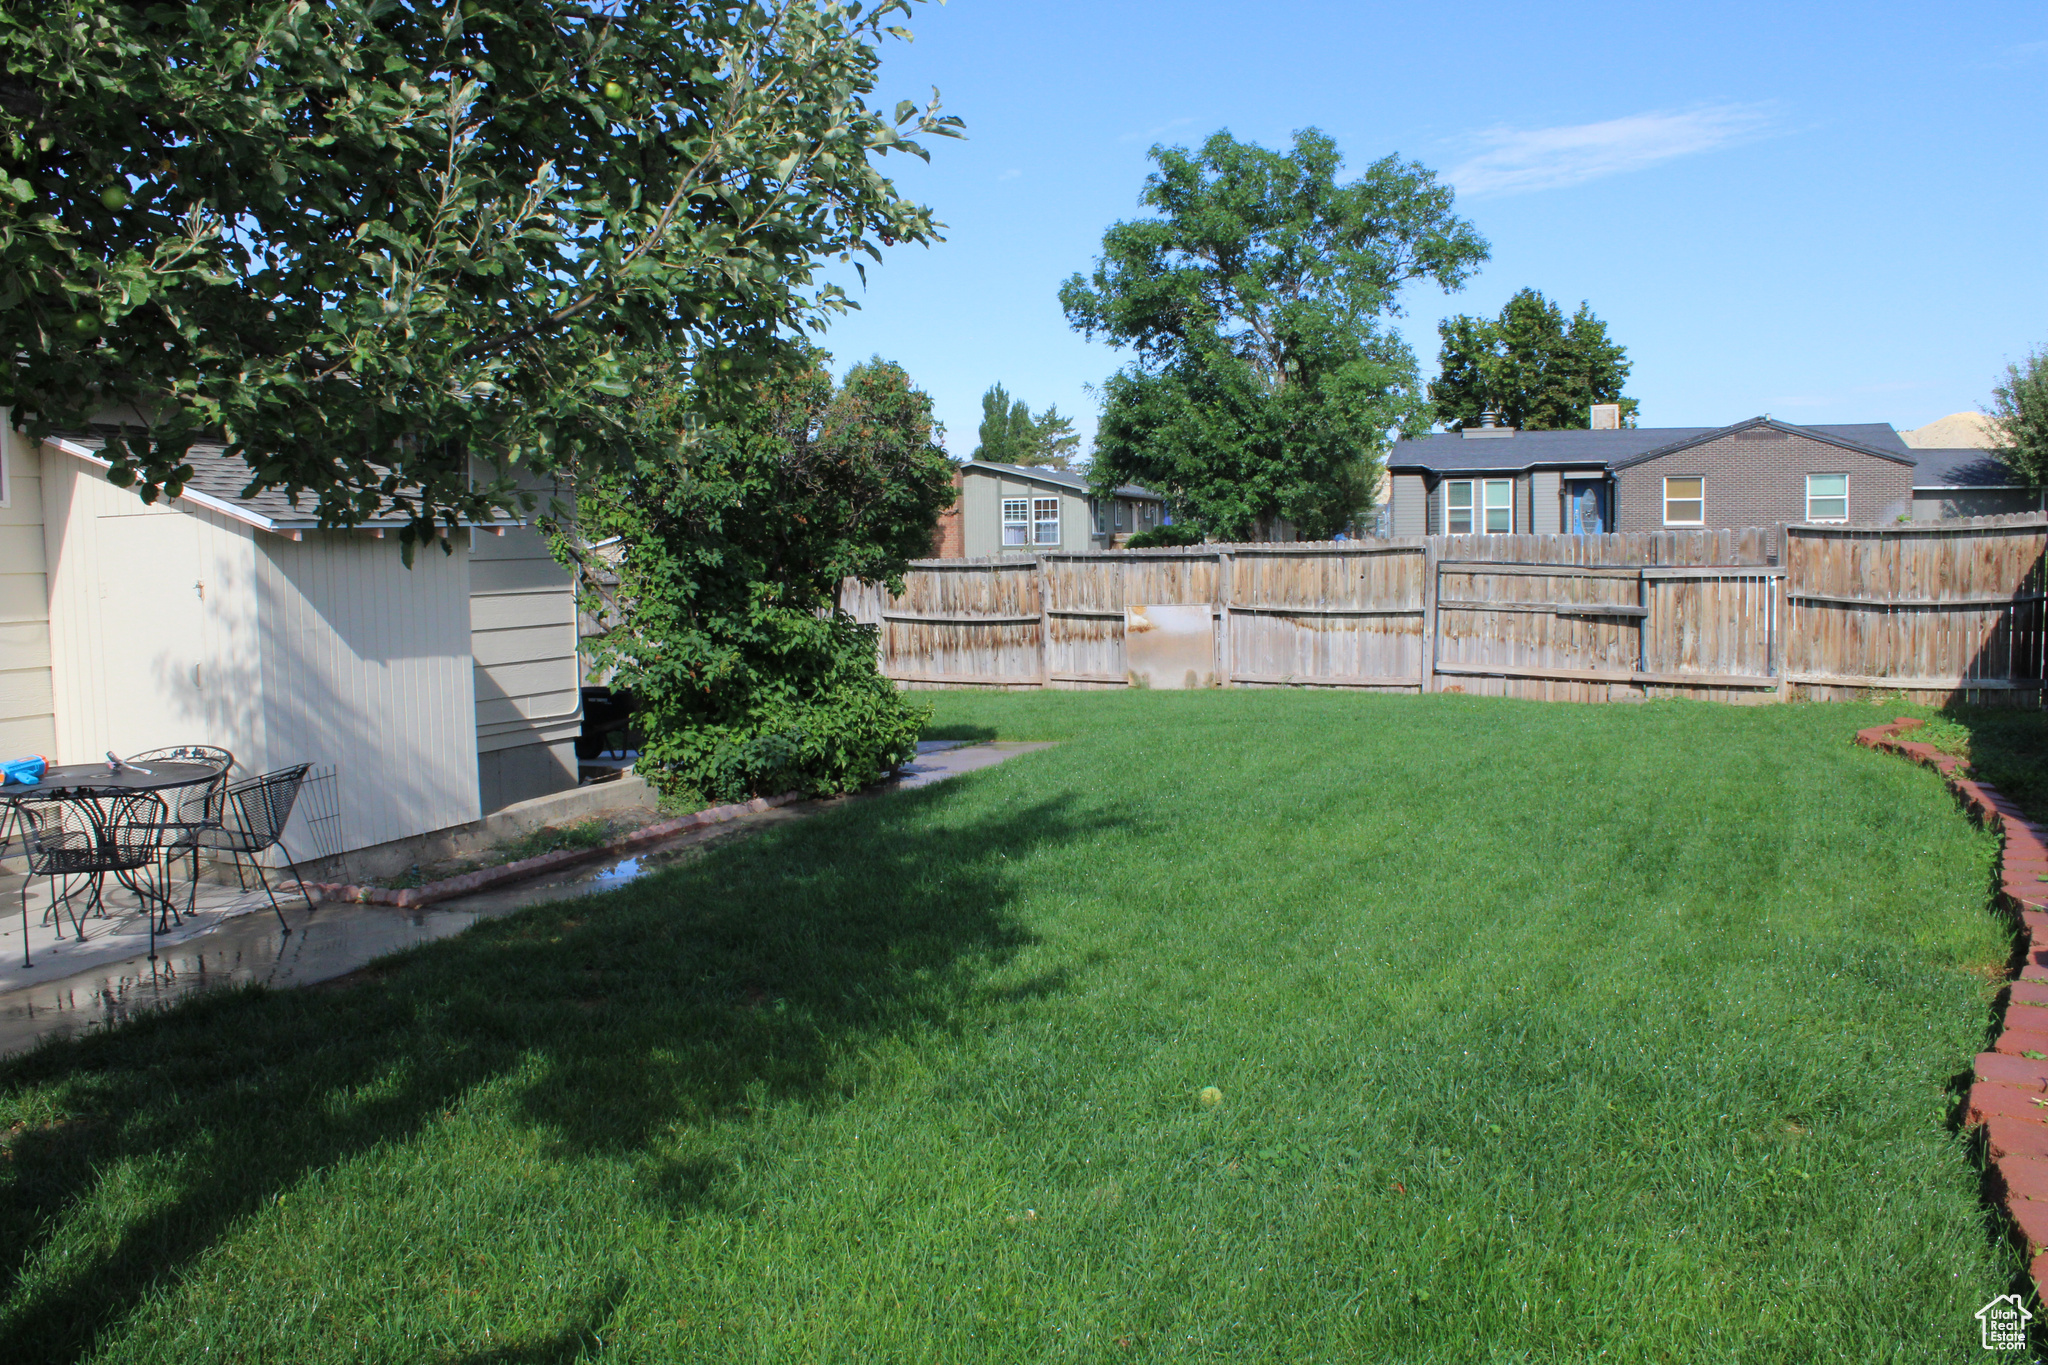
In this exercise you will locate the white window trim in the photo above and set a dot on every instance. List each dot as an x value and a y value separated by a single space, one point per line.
1824 521
1097 517
1701 500
1038 521
1023 522
1478 507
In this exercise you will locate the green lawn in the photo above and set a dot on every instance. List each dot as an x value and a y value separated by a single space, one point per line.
1542 1032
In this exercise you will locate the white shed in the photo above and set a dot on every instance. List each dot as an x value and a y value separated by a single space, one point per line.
437 693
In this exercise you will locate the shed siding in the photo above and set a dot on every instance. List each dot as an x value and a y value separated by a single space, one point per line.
366 665
1762 481
152 621
28 712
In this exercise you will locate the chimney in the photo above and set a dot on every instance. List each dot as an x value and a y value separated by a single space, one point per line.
1489 426
1607 417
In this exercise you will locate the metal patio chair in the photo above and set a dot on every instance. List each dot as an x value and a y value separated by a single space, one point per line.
253 820
186 753
71 839
194 808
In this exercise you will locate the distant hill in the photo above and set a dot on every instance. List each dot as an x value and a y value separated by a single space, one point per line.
1957 431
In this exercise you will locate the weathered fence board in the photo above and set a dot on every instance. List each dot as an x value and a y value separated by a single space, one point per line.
1932 610
1935 610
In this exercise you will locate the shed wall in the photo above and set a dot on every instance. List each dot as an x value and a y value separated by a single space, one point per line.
153 621
28 719
365 664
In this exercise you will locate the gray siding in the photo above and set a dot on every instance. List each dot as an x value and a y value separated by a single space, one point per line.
522 633
1940 504
1546 506
1408 506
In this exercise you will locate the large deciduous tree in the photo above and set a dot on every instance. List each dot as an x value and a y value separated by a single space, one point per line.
2019 414
1262 381
1531 366
373 242
733 542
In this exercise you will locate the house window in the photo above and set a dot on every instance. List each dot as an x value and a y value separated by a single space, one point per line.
1016 521
1101 517
1122 511
1045 521
1685 501
1483 505
1827 497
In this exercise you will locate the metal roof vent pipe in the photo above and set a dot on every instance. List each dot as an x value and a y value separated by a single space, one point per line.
1489 425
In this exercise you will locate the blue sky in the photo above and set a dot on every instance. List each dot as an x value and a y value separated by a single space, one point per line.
1826 212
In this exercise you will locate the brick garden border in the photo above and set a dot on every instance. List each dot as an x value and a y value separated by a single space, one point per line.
2009 1090
541 864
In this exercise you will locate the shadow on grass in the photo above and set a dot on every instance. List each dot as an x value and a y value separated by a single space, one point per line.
2008 747
754 973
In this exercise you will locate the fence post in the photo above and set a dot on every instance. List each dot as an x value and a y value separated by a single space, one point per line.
1044 629
1781 617
1429 576
1226 586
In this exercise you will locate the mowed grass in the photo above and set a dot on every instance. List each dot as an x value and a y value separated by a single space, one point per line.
1543 1033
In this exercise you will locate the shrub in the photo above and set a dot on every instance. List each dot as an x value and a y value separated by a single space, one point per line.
1159 537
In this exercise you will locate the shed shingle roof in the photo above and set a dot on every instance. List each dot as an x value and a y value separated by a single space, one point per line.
218 480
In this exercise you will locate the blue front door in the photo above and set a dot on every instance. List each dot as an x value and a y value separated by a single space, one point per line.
1586 506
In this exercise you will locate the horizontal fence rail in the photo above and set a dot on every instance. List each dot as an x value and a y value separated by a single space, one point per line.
1932 610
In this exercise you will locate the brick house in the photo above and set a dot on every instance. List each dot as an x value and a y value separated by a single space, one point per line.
1761 472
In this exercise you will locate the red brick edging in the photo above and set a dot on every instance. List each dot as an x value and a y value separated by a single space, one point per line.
525 868
2009 1097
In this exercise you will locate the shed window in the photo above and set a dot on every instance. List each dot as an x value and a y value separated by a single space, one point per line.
1685 501
1016 521
1483 505
1827 497
1045 521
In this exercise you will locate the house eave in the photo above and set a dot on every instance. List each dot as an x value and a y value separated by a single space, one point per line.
293 528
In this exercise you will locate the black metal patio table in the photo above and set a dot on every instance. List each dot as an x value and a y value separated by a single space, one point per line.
91 786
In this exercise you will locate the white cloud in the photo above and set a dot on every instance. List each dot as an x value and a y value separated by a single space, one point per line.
1518 160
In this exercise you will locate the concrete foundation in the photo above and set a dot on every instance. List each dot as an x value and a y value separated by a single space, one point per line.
505 777
460 841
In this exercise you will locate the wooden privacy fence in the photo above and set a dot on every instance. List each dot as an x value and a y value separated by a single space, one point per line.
1928 609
